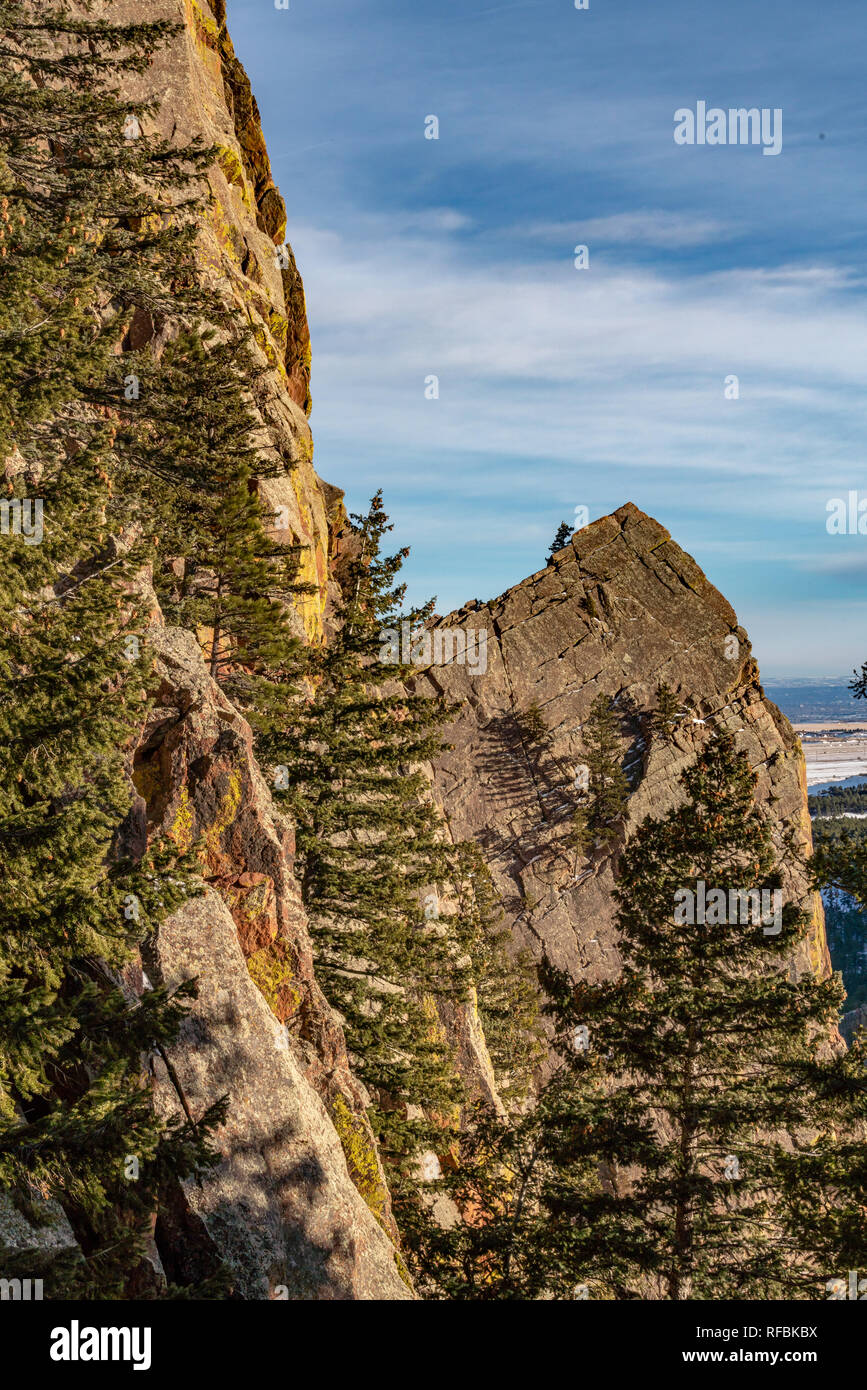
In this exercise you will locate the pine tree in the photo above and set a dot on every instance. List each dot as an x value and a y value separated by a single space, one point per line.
74 1107
533 727
371 850
701 1137
840 860
598 818
564 534
710 1052
666 717
505 984
196 442
506 995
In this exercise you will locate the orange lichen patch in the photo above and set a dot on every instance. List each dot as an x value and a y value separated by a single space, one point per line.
251 899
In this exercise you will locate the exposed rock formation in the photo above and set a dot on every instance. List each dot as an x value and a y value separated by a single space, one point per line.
281 1210
619 610
203 91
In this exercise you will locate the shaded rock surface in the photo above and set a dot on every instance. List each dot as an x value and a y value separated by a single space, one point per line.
30 1235
282 1208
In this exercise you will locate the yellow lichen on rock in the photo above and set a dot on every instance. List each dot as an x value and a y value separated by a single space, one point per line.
360 1157
181 831
271 973
228 810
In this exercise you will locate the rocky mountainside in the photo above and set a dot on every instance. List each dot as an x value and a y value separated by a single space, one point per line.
298 1206
203 91
619 611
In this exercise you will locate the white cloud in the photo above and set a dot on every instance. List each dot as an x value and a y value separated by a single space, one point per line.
560 387
626 363
644 227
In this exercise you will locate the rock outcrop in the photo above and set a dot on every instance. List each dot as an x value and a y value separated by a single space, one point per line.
203 92
280 1211
619 610
298 1206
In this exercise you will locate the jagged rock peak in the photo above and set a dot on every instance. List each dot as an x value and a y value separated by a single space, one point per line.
619 610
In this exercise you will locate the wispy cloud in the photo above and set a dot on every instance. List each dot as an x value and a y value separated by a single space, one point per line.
646 227
561 387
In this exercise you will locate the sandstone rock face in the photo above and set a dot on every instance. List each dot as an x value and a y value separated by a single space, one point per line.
204 92
619 610
282 1208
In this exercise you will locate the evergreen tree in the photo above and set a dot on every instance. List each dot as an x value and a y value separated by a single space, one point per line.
84 238
667 715
73 1104
563 536
533 727
714 1052
371 846
597 819
701 1137
196 443
505 984
840 859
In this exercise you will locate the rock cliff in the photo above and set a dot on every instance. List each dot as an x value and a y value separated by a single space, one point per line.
619 610
203 91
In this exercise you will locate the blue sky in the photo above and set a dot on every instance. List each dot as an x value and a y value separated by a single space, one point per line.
562 388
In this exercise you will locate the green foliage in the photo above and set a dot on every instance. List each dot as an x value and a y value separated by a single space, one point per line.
505 980
700 1138
83 248
837 800
846 930
840 858
533 728
667 715
597 820
563 536
369 846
